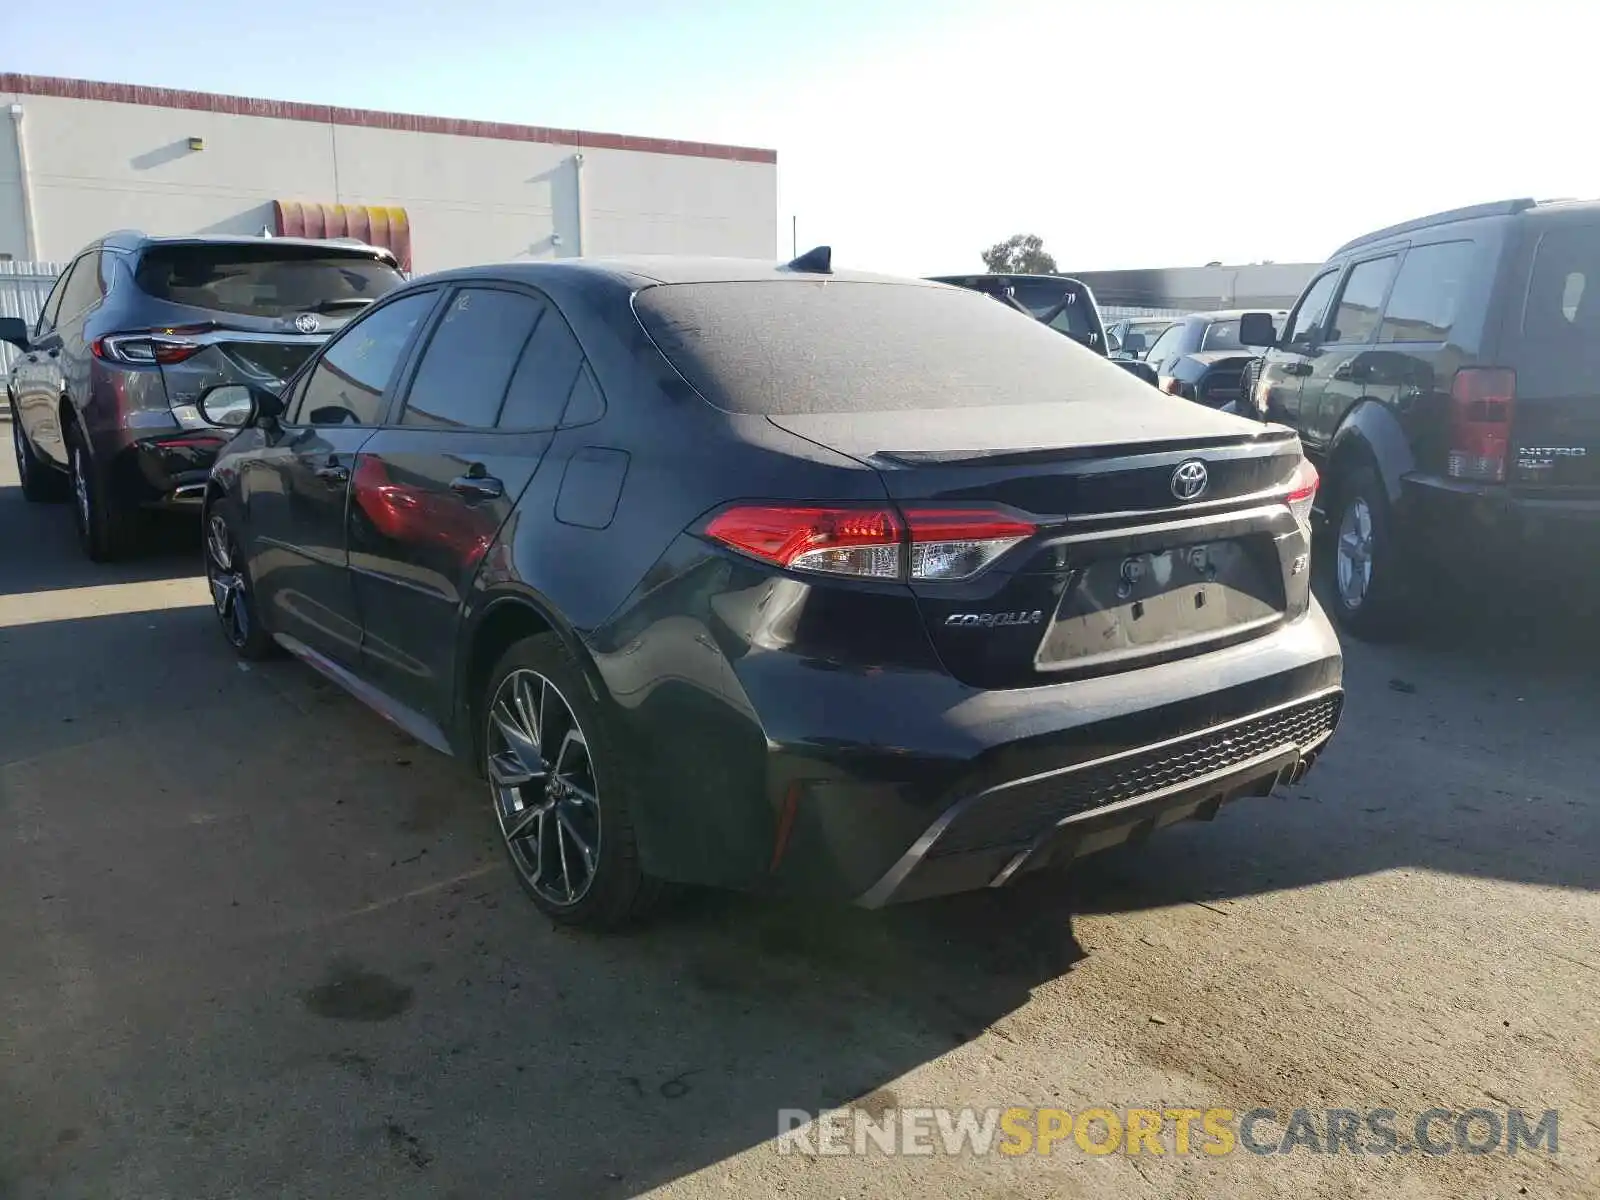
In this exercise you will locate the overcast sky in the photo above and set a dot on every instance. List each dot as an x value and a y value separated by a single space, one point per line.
913 133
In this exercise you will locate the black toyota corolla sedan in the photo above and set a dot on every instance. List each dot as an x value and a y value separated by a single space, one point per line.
777 578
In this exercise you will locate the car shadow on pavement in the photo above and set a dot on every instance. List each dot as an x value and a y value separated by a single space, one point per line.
39 549
291 953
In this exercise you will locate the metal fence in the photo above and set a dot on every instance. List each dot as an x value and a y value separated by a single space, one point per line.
23 289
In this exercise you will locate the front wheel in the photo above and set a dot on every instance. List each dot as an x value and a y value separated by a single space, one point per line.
231 593
1371 596
561 789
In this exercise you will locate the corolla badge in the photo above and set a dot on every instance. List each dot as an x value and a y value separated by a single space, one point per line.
307 323
1190 479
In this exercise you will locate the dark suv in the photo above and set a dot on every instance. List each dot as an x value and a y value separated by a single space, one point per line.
1445 375
777 578
103 396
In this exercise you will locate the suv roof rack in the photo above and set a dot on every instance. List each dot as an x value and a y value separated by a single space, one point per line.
1500 208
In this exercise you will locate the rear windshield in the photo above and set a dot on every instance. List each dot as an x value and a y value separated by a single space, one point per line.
784 347
1560 337
264 280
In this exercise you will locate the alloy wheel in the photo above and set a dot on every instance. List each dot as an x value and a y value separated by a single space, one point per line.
1354 555
543 782
227 581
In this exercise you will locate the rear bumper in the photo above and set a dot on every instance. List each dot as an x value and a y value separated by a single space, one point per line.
1468 517
167 470
886 785
989 838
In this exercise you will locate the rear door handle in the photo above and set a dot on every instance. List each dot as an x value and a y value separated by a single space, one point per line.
477 487
333 473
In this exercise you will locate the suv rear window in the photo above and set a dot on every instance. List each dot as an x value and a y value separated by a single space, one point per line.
1559 353
785 347
264 280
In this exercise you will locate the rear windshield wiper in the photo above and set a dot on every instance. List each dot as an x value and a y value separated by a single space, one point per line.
347 302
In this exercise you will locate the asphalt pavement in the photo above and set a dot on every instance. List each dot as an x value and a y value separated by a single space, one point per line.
255 942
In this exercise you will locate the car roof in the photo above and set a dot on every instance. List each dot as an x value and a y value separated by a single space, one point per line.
646 270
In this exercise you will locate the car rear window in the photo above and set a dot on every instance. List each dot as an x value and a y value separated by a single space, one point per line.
1559 348
263 281
784 347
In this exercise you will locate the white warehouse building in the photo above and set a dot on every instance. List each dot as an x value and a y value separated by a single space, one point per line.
78 159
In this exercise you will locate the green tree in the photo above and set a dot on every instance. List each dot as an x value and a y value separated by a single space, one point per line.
1021 254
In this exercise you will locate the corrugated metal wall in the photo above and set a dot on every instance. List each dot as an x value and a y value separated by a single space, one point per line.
23 289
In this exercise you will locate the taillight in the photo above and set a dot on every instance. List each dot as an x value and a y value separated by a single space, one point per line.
871 543
144 349
1482 400
1302 495
1171 385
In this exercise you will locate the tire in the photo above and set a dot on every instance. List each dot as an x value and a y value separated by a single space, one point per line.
1371 587
232 592
40 481
563 809
106 531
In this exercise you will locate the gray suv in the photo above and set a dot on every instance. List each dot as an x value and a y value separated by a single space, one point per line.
103 395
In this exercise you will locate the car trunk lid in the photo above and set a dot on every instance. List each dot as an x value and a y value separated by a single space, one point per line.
1127 561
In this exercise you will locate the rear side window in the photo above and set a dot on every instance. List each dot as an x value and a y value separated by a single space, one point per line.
263 280
544 377
467 366
82 289
1167 345
1355 321
1307 318
1559 350
1428 293
804 346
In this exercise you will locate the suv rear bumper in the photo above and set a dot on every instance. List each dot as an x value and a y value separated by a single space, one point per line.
1453 517
162 470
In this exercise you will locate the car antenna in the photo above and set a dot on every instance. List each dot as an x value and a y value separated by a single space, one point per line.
818 261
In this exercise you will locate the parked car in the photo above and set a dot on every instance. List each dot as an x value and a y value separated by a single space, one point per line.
1065 304
1200 358
918 599
103 396
1130 337
1445 375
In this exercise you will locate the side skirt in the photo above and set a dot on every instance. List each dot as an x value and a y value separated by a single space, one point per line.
407 720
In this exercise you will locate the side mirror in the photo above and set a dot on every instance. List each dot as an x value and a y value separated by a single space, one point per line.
1140 368
235 405
1257 329
14 330
1135 344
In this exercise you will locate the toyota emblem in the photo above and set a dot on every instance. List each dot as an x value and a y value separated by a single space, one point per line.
308 323
1190 479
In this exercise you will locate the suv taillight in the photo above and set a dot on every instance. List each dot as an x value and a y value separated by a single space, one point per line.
144 349
871 543
1482 401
